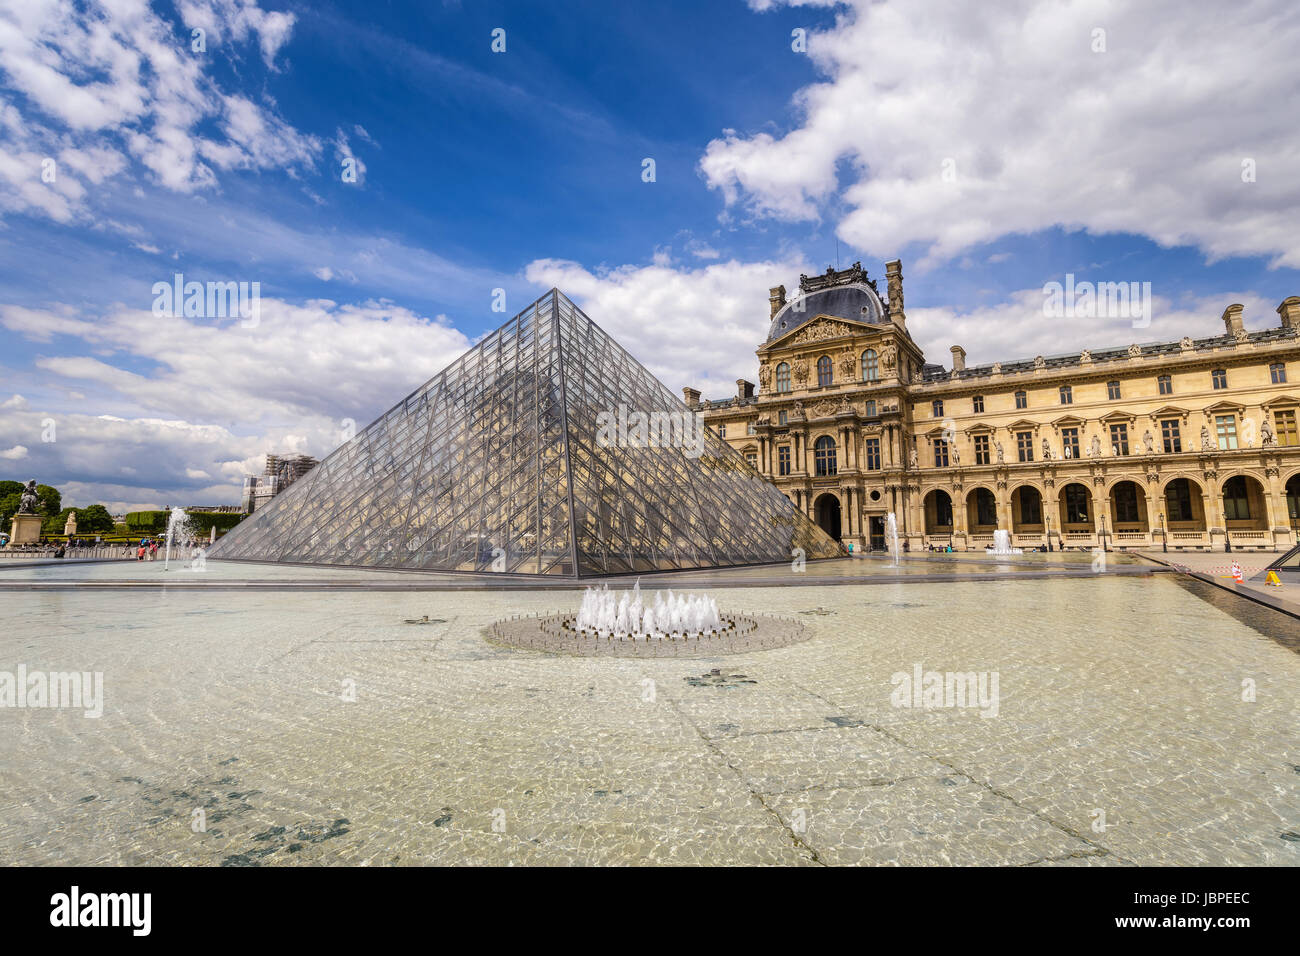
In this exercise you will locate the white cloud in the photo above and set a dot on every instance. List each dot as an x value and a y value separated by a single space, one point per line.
1148 137
17 453
108 82
198 420
694 327
324 273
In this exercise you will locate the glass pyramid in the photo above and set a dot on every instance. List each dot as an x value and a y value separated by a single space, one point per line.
509 460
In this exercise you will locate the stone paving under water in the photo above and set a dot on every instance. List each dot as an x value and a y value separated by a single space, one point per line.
1120 702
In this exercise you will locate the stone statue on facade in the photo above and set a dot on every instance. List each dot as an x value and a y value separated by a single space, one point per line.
765 377
1047 450
997 445
28 501
1207 444
1094 449
1266 432
1149 442
911 458
848 365
887 358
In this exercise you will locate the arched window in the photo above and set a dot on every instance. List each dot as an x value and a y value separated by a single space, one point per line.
824 371
824 455
870 366
783 377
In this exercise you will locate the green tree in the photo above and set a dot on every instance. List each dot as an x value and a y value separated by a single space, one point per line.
94 519
8 508
50 500
8 488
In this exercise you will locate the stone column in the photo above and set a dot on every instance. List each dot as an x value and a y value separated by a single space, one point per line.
1052 511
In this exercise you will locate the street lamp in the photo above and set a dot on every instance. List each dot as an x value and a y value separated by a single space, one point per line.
1103 533
1164 535
1048 521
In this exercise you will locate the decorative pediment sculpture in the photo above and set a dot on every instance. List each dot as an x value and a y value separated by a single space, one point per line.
1134 350
1085 357
819 330
1186 344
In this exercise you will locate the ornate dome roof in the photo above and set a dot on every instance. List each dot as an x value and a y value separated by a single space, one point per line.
854 301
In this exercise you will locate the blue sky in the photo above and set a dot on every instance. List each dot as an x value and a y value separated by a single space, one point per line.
522 169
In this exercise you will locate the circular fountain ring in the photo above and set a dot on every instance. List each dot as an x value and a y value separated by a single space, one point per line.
557 633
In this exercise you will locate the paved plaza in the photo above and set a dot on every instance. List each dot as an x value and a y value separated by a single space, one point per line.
323 728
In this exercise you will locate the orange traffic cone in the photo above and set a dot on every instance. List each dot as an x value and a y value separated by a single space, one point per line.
1236 572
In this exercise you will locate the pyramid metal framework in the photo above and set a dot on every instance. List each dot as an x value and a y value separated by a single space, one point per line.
499 464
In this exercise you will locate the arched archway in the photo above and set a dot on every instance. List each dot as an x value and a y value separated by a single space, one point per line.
827 510
1184 502
981 511
1077 518
1128 510
1244 509
1026 510
938 513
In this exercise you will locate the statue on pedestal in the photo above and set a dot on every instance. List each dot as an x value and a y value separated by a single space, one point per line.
70 526
29 500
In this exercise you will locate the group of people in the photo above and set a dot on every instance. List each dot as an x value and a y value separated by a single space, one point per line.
148 549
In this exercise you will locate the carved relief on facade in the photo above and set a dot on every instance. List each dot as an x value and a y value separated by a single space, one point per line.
799 372
848 365
888 357
821 330
824 409
765 377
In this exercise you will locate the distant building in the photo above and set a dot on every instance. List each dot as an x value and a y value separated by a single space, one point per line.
280 473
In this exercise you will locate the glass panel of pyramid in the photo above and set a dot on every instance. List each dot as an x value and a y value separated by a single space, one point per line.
512 459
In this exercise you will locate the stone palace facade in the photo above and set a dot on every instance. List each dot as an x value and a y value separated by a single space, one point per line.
1189 445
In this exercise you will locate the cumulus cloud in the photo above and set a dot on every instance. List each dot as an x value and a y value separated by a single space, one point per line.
1038 120
100 85
687 325
196 421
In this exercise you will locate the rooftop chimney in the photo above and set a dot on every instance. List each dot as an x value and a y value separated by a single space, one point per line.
894 275
691 396
1232 318
744 390
776 298
1290 312
958 358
